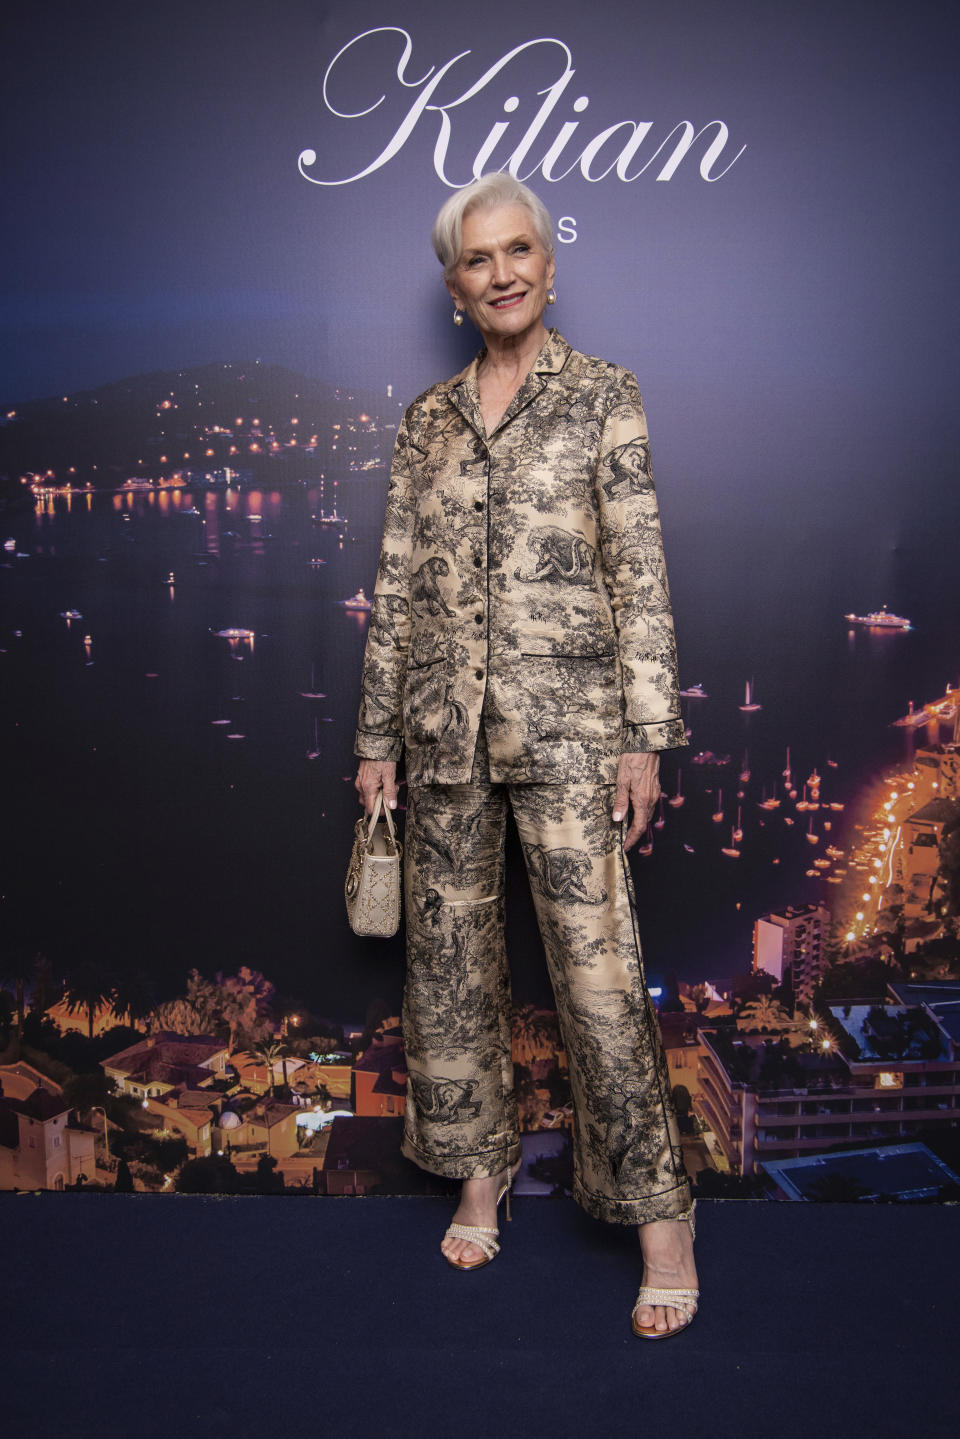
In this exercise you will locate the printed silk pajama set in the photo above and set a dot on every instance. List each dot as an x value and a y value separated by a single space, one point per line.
520 640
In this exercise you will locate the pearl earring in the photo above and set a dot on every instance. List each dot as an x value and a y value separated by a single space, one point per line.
458 316
551 296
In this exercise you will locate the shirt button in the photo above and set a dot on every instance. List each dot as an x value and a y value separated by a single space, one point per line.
479 674
477 562
478 619
478 504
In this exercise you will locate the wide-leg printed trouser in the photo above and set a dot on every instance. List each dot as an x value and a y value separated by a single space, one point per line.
461 1112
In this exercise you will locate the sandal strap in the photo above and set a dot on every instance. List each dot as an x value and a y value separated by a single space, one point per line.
683 1299
689 1215
478 1234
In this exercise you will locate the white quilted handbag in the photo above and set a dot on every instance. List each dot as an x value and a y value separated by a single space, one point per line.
372 888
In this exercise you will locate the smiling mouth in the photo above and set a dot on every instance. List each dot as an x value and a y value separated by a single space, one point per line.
505 302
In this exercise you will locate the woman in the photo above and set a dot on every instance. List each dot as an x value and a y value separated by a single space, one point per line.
521 655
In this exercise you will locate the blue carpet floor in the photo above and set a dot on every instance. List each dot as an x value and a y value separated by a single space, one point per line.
140 1317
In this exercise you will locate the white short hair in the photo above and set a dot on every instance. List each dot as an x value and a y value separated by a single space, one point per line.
485 194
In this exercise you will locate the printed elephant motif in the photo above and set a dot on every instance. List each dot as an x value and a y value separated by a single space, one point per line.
558 555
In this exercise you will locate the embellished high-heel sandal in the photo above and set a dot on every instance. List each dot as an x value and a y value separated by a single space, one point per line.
684 1301
480 1234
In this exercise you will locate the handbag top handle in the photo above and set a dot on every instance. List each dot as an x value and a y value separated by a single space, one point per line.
378 805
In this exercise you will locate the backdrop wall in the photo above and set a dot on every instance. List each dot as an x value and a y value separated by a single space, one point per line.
756 211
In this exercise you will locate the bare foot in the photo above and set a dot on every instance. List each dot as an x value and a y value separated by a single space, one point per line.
667 1246
478 1205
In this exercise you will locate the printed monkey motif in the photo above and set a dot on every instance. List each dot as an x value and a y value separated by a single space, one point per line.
387 609
630 464
559 874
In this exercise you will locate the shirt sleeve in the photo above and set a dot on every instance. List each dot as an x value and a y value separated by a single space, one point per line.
380 723
636 576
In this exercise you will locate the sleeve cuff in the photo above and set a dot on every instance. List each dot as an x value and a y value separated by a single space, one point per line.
377 746
641 738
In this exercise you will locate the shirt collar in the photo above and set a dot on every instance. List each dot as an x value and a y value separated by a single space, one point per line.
553 355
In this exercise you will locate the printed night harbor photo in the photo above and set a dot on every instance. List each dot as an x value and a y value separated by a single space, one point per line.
186 562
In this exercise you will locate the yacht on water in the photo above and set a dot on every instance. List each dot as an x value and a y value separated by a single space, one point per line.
749 703
313 693
880 619
330 522
695 692
358 601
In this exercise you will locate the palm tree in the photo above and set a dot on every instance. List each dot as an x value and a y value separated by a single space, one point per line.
268 1053
533 1030
134 995
764 1012
44 984
87 990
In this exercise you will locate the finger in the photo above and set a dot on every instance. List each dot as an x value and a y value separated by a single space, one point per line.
371 789
620 801
636 829
390 792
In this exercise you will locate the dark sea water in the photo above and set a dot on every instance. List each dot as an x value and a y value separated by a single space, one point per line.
145 833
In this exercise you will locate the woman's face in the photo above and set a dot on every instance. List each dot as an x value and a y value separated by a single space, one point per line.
503 274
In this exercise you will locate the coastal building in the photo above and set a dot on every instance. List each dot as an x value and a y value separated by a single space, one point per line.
889 1071
919 853
333 1071
795 941
380 1075
902 1172
181 1116
363 1156
267 1127
263 1078
939 764
681 1046
42 1146
163 1062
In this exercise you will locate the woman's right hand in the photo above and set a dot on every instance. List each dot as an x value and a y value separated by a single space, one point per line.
374 775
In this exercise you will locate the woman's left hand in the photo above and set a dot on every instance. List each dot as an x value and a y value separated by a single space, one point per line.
638 786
